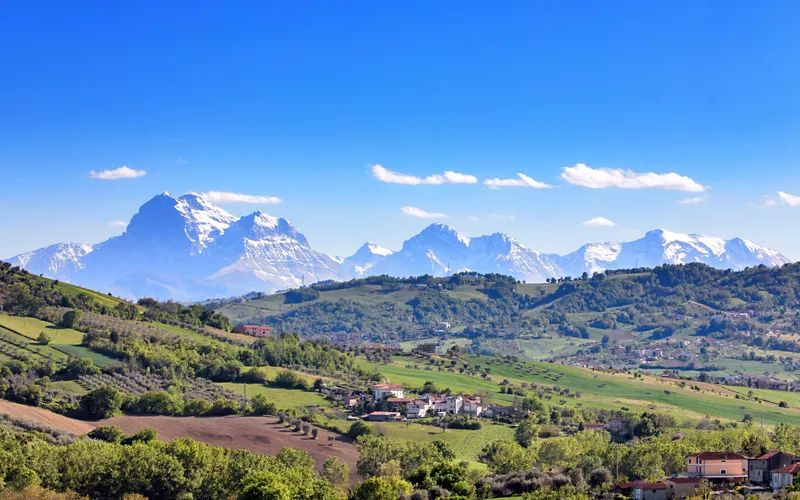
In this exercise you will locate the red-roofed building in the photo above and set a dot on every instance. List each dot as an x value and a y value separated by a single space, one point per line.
682 487
649 491
783 477
717 465
759 468
254 330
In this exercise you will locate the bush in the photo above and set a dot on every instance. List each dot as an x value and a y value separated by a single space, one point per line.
263 406
314 433
107 433
70 319
143 436
359 428
222 407
300 295
44 338
101 403
290 380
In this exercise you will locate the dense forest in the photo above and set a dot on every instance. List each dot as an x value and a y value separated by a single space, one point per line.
499 306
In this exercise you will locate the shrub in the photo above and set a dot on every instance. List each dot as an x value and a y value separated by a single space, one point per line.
44 338
107 433
359 428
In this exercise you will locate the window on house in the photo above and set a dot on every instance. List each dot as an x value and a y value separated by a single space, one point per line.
723 471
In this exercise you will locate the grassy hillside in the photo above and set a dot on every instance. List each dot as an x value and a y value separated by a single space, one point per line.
597 389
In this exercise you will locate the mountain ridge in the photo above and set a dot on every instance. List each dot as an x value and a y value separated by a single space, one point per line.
186 248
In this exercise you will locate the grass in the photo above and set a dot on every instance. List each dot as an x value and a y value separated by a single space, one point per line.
547 347
80 351
63 341
69 386
466 444
598 389
32 327
32 347
283 398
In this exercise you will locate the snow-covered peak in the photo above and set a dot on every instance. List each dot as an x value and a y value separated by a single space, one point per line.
442 231
59 261
376 250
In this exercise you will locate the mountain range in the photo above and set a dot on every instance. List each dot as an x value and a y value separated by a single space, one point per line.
185 248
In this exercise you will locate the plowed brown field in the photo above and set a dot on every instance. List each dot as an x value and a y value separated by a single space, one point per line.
257 434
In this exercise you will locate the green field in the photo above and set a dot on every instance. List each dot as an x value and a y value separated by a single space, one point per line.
64 341
283 398
467 444
100 360
597 389
32 327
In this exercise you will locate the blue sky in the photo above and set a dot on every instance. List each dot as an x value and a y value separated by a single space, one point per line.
297 100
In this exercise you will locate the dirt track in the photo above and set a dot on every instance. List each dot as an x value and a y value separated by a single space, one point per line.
257 434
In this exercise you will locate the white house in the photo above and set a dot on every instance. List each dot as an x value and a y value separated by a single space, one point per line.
783 477
417 408
381 391
472 406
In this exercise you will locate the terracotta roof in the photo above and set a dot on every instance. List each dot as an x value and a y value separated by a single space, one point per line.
684 480
400 400
793 469
593 426
394 413
650 486
387 387
771 454
718 455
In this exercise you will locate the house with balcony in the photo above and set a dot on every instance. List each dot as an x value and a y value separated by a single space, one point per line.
717 466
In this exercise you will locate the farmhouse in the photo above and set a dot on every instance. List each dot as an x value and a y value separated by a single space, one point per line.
649 491
254 330
682 487
381 391
759 468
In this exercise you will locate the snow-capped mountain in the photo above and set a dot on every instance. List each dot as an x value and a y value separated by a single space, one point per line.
440 250
185 248
665 247
259 249
360 263
59 261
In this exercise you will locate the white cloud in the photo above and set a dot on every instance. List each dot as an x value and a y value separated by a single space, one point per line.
122 172
522 181
693 201
181 161
478 218
789 199
385 175
599 222
117 223
223 198
418 212
599 178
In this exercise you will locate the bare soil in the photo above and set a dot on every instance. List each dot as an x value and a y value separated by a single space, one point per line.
257 434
